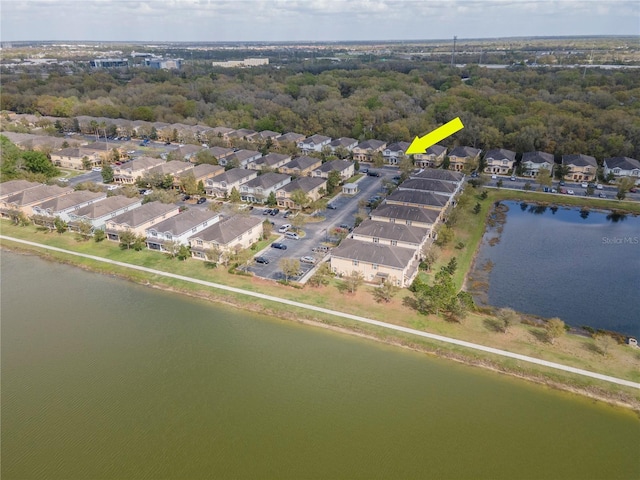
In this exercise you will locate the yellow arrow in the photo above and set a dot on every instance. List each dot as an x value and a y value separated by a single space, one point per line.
420 145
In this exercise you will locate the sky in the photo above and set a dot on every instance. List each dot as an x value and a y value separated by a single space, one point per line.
311 20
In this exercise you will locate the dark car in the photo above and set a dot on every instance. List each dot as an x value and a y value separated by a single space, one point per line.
372 173
562 183
286 214
331 206
263 260
274 212
267 211
201 200
279 246
186 197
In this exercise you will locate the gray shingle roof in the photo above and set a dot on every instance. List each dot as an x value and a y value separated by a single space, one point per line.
436 150
391 231
66 201
537 157
220 152
301 163
338 165
37 194
306 184
624 163
579 160
271 159
371 144
267 180
138 216
185 221
501 154
316 139
428 185
438 174
369 252
343 142
402 212
398 146
416 197
14 186
234 175
290 137
463 152
105 207
227 230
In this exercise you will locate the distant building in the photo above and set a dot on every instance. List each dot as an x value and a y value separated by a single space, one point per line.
109 62
247 62
163 64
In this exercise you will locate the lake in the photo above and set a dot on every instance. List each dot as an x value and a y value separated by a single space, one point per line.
102 378
582 266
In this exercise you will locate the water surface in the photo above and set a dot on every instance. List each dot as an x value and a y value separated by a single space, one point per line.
105 379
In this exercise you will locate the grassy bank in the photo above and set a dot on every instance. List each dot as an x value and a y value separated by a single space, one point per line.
571 350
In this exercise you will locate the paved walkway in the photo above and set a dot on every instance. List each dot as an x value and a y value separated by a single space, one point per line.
356 318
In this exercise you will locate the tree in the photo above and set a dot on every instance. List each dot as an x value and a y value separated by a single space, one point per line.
115 155
499 183
321 276
18 217
562 171
162 196
333 181
290 268
107 174
60 225
234 196
555 329
298 221
477 208
451 267
205 156
37 162
139 243
386 291
300 198
406 167
271 199
86 163
430 256
188 184
267 229
99 236
590 190
624 185
605 343
544 177
166 182
127 239
171 248
184 252
377 159
84 230
445 235
507 317
352 281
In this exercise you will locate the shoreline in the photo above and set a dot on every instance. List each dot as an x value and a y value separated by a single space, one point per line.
619 399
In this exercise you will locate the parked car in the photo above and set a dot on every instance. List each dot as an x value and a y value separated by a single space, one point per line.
331 206
561 183
584 185
292 236
563 190
570 192
599 186
373 173
112 187
308 259
553 190
546 189
201 200
287 214
267 211
284 228
364 170
274 212
513 179
602 195
279 246
345 226
96 169
263 260
493 177
633 190
186 197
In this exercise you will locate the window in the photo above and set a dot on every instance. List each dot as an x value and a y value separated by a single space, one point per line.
356 263
408 222
394 243
198 242
376 240
205 224
375 266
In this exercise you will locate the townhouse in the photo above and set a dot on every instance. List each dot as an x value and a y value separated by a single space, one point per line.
344 168
345 143
13 187
240 158
313 187
581 167
98 213
418 198
129 173
137 220
25 200
392 234
259 189
622 167
433 157
314 143
464 157
62 206
179 228
499 161
395 152
408 215
365 151
270 161
221 185
429 185
225 237
301 166
199 173
533 162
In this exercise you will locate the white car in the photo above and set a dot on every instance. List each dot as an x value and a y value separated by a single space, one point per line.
292 236
112 187
96 169
308 259
284 228
493 177
584 185
599 186
570 192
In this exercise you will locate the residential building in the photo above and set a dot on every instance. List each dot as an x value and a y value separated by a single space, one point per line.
364 151
581 167
139 219
433 157
313 187
344 168
13 187
499 161
290 137
314 143
438 174
622 167
533 162
394 152
301 166
240 158
461 157
343 142
270 161
222 185
200 173
179 228
247 62
242 134
63 205
259 189
173 168
414 216
378 263
128 173
393 234
221 132
98 213
74 157
25 200
267 134
187 153
225 236
418 198
428 185
220 153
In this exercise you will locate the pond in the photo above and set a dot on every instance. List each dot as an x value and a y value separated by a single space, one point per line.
582 266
